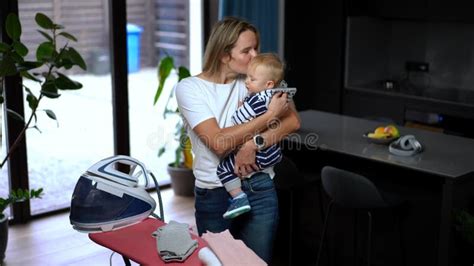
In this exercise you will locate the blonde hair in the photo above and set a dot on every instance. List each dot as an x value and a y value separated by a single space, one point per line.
271 62
224 35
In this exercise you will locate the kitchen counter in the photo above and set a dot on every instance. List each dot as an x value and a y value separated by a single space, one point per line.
436 181
444 155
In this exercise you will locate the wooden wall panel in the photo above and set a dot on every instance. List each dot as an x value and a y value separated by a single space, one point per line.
164 24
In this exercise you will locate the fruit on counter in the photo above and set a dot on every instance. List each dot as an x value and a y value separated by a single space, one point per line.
392 130
380 130
389 131
382 135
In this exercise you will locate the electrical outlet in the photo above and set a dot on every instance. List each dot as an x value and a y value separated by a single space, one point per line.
412 66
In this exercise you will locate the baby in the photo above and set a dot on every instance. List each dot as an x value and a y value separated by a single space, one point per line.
264 73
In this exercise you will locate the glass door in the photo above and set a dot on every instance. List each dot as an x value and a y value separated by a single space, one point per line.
60 150
155 29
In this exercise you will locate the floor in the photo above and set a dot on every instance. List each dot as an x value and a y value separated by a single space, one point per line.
52 241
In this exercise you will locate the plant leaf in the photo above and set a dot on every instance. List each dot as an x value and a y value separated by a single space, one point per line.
63 59
4 47
64 83
58 26
50 114
44 21
36 127
45 51
37 193
15 115
20 195
27 75
13 27
178 153
183 72
164 70
68 36
7 66
46 35
27 89
161 151
32 101
76 58
20 48
29 65
49 90
16 57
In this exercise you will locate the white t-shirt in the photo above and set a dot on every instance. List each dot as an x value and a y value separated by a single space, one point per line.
200 100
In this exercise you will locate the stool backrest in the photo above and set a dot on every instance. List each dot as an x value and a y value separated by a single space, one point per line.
351 190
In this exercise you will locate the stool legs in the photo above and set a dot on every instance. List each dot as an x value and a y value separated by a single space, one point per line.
290 237
369 236
356 237
400 231
323 235
320 198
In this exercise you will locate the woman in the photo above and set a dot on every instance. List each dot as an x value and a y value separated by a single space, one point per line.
207 103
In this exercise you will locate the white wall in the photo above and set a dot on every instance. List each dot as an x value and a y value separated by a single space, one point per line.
195 36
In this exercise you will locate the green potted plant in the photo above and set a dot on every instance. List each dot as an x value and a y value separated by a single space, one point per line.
463 223
180 170
50 58
14 197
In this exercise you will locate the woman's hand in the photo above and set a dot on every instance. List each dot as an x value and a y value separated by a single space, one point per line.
245 160
278 104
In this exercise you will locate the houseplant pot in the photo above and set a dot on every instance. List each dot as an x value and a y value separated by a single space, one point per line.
182 180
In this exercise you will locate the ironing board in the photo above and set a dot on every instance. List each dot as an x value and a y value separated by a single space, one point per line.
136 243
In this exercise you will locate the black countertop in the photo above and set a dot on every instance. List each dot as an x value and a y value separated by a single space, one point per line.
443 155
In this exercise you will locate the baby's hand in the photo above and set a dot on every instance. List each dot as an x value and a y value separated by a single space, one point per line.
241 103
278 104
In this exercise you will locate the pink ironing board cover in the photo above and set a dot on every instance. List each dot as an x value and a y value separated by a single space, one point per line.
136 243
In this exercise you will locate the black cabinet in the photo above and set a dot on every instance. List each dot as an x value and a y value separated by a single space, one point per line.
402 9
427 10
451 10
373 106
454 119
314 59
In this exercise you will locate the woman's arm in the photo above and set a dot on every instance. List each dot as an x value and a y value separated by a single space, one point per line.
224 140
245 157
289 123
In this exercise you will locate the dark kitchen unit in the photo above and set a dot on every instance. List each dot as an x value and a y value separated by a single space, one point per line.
414 72
407 61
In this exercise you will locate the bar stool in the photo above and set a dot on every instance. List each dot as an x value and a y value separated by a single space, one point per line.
290 179
350 190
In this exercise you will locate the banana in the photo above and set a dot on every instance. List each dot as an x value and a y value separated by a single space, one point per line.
378 135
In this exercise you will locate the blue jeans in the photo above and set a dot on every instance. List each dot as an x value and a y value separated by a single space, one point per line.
256 228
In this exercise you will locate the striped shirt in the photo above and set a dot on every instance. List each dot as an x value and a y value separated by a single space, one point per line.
252 107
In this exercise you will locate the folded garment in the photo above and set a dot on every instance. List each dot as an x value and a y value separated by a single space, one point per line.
231 251
208 258
174 242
